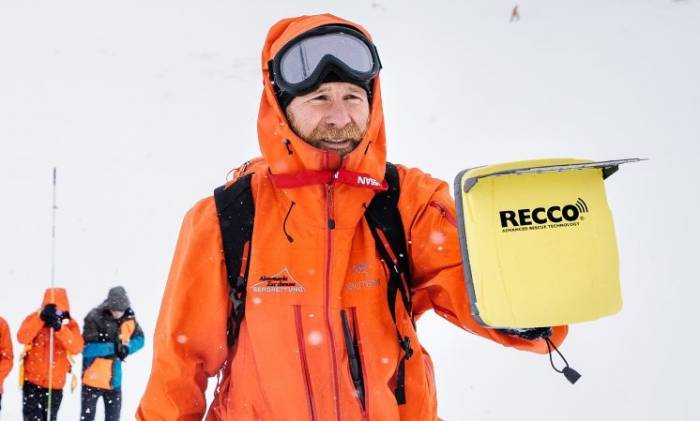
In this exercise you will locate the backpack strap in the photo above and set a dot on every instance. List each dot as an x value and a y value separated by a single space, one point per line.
384 221
236 211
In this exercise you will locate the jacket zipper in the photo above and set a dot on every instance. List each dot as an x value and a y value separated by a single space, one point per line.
329 245
354 364
304 362
360 356
451 219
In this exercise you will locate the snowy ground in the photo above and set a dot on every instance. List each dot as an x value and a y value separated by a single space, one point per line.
145 105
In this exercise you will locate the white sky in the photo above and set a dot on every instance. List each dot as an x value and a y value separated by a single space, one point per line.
145 105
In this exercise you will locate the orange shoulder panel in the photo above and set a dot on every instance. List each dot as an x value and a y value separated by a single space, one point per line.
126 330
30 327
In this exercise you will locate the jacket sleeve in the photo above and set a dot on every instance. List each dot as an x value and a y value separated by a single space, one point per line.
428 214
98 349
6 354
137 340
30 327
70 338
190 336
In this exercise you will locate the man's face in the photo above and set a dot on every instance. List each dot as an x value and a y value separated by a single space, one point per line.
334 117
117 314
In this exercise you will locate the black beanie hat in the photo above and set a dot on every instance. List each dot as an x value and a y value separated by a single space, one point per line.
117 299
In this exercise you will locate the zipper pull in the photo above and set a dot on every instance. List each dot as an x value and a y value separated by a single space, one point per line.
329 201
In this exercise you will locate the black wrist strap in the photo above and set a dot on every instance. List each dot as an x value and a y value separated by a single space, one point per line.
571 375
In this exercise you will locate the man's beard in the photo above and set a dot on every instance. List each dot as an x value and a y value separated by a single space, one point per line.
341 140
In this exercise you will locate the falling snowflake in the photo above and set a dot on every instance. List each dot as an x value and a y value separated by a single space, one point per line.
314 338
437 237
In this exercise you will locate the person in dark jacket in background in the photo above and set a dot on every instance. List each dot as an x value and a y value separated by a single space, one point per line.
111 334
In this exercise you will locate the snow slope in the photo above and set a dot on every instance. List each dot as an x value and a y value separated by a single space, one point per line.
145 105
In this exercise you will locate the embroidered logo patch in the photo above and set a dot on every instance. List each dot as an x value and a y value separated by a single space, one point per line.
360 267
366 283
283 281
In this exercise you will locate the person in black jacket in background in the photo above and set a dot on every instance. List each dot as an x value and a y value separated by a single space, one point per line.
111 334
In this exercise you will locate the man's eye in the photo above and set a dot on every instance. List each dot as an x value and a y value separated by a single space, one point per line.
319 98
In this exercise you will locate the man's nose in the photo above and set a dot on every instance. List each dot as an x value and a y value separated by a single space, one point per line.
338 114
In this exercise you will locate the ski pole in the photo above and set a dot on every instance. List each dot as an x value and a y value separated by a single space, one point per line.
53 295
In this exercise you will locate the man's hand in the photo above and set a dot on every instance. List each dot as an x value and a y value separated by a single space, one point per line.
121 350
52 317
529 333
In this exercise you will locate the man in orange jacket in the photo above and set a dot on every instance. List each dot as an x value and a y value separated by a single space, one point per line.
318 340
6 354
41 380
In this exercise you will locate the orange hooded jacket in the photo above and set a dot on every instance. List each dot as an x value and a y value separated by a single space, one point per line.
290 361
67 341
6 354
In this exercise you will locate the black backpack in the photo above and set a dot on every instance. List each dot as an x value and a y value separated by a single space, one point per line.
235 208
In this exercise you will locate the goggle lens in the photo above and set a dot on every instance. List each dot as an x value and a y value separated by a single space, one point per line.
299 61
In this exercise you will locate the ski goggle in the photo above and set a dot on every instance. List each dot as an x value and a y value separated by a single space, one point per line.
302 62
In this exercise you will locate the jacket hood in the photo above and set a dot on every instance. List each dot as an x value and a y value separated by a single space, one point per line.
57 296
283 150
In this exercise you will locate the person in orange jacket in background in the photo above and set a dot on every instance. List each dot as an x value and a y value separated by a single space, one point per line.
35 334
6 354
318 340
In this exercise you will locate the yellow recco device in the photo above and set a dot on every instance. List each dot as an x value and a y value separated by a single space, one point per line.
538 242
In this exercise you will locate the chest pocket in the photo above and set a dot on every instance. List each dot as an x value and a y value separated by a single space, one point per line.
367 275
